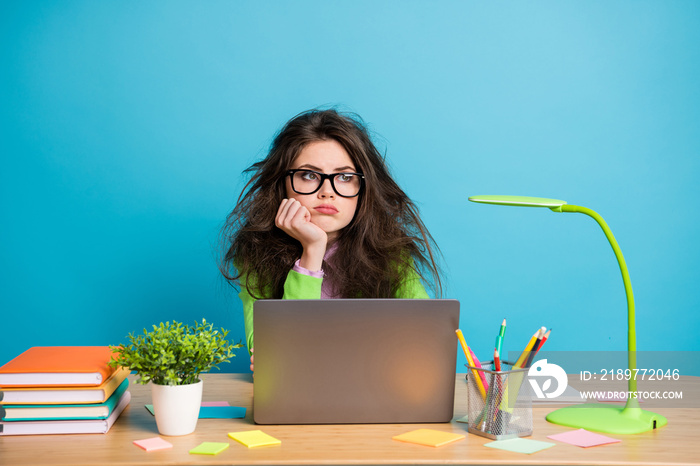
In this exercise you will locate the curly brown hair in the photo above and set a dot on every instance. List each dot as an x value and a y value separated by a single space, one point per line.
384 239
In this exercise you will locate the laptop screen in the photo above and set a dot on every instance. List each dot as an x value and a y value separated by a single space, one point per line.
343 361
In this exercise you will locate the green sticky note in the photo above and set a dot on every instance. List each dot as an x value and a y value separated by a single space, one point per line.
209 448
520 445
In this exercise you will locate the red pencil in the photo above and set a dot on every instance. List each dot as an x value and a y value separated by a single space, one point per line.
544 338
496 360
535 347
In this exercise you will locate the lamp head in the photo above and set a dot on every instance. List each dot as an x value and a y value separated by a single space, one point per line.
519 201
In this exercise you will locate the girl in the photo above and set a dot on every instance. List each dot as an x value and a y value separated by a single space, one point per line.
321 217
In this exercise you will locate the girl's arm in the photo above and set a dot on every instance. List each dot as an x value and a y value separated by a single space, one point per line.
296 286
304 281
412 287
295 220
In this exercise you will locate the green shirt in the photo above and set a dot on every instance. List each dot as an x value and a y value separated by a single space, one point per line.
301 286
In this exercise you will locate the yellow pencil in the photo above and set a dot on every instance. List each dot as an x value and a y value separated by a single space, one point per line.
517 378
526 351
470 360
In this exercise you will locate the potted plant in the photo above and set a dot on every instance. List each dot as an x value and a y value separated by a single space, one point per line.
172 356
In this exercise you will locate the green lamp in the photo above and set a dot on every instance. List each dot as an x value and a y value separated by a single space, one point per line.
630 419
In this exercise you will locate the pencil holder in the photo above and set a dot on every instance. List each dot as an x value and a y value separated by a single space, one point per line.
499 403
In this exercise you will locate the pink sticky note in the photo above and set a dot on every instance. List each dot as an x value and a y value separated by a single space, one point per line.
153 444
215 403
583 438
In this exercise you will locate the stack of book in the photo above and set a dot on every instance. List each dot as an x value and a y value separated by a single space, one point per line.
61 390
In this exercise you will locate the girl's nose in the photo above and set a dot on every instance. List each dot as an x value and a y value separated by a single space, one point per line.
326 189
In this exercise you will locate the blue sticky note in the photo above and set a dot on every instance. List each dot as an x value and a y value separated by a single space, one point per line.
216 412
221 412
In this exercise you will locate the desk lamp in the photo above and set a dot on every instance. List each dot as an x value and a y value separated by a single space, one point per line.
630 419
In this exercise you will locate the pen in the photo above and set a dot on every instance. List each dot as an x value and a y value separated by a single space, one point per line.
470 360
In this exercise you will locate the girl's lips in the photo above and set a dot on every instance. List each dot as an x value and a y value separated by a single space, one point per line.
326 209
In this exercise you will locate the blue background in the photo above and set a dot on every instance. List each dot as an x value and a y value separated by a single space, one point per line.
126 125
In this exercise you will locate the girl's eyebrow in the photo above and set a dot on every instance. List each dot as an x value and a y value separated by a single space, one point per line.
340 169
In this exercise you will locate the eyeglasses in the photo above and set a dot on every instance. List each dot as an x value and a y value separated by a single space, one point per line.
308 182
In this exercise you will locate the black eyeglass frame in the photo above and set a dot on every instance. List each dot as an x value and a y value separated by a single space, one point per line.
325 177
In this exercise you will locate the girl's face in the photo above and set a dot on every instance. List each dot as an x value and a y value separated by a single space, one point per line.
328 210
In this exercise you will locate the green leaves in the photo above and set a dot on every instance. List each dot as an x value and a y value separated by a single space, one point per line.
173 353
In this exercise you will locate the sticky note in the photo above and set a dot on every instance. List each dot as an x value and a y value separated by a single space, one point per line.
520 445
254 438
209 448
153 444
215 403
221 412
464 419
583 438
429 437
215 412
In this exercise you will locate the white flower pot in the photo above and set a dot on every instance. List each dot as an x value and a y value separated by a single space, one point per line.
176 407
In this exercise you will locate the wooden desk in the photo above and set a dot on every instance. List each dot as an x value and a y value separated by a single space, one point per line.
676 443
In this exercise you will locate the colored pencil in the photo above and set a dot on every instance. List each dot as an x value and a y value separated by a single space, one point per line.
470 360
544 339
496 360
535 347
501 336
477 364
526 351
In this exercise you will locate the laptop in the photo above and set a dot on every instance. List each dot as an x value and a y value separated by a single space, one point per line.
355 361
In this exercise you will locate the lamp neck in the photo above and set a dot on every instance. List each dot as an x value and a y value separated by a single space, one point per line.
631 332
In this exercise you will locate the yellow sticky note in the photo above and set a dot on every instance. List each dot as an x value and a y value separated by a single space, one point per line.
254 438
429 437
209 448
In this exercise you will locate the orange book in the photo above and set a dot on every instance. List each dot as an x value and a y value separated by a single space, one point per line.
58 366
63 395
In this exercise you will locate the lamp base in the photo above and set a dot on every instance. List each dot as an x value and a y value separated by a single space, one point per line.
608 419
